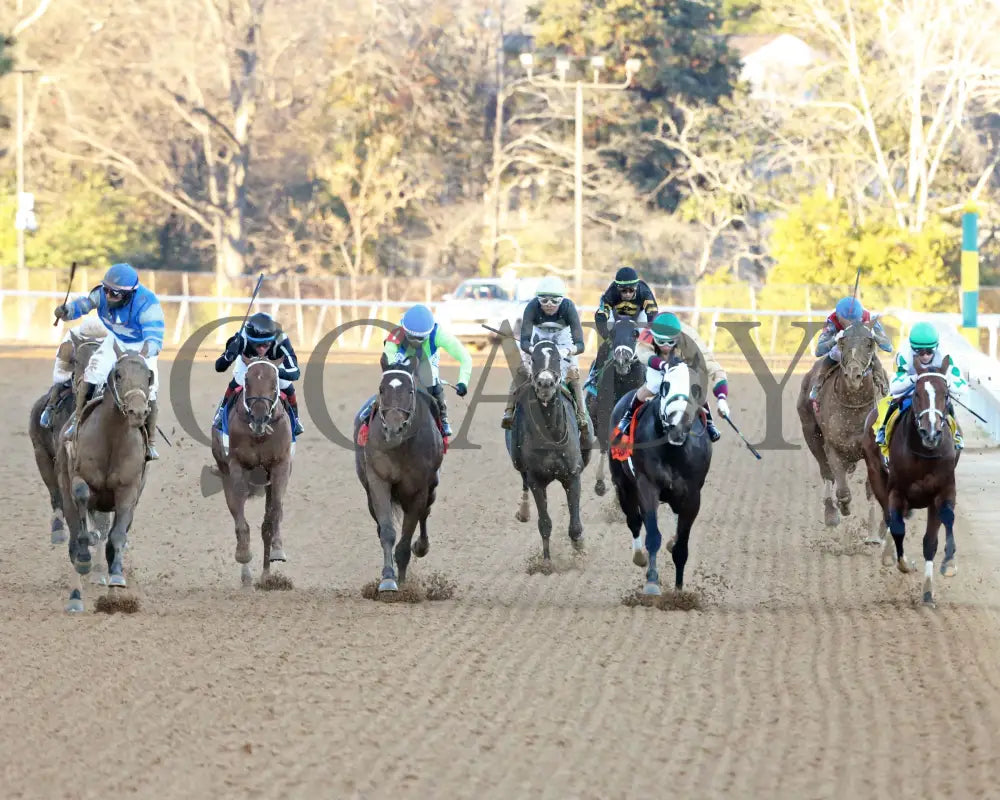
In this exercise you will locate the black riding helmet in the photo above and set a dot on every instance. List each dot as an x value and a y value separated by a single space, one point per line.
261 328
627 277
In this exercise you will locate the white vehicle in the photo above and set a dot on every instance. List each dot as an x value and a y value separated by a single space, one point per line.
484 301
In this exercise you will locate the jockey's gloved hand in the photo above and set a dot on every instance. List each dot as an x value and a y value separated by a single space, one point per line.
235 345
564 352
61 311
461 389
401 360
723 405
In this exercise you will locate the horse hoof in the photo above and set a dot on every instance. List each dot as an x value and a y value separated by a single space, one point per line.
388 585
929 600
58 537
671 543
577 543
949 569
246 576
888 552
243 555
639 558
522 516
844 508
421 547
904 565
117 581
600 488
831 517
82 567
278 554
75 604
651 588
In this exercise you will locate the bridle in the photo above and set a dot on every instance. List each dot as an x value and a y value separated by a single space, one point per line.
406 412
935 412
119 398
272 402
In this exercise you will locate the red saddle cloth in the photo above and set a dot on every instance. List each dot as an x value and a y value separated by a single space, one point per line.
362 439
623 449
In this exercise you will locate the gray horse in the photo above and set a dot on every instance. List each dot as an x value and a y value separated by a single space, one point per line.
397 459
103 467
545 443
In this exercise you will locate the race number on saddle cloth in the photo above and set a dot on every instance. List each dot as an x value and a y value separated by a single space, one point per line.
261 337
923 349
133 317
419 337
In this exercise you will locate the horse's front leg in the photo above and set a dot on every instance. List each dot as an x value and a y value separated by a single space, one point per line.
649 501
679 548
898 530
380 494
600 487
523 513
126 499
947 515
544 520
411 518
270 529
573 490
843 488
930 551
236 490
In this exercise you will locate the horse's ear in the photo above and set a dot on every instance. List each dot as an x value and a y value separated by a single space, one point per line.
118 350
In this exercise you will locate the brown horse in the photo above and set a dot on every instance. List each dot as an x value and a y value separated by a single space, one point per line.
398 465
920 474
102 467
45 441
833 427
259 441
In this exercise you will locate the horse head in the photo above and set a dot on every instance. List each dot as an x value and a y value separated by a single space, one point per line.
622 339
677 404
131 382
930 404
261 395
857 348
397 400
546 370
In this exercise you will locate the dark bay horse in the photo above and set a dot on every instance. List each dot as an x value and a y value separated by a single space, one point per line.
545 443
920 474
45 441
258 441
669 462
620 373
398 464
102 467
834 426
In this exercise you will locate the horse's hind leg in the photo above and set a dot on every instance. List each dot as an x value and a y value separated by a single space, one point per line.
544 520
600 487
930 551
81 497
380 494
649 501
47 470
236 490
679 548
814 441
411 519
628 501
523 513
898 530
840 480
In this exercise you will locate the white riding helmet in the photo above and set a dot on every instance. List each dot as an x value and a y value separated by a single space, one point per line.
552 285
91 328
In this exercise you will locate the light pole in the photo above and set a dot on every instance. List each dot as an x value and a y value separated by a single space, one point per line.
632 66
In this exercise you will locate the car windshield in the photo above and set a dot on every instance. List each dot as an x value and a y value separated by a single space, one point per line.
481 291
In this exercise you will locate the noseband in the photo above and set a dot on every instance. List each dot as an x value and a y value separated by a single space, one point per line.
406 412
272 402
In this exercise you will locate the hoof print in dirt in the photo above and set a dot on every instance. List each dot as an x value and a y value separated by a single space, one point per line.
433 588
683 600
117 603
275 582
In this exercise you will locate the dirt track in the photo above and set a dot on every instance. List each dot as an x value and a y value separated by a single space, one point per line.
809 672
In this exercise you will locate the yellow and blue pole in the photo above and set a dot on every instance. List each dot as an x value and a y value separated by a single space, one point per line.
970 274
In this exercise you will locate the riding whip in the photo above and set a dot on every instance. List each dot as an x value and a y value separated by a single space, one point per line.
857 279
744 438
254 297
72 272
963 405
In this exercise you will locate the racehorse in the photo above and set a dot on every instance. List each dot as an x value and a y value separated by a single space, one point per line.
833 427
669 462
45 441
257 440
920 474
102 467
545 443
398 464
628 373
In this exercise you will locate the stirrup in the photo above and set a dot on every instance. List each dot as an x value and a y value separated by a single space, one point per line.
508 419
880 436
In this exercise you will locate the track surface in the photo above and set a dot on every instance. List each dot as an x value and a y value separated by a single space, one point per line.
810 671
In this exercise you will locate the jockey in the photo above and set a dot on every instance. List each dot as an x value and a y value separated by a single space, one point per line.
62 372
419 336
669 336
134 319
923 350
552 316
261 337
848 310
628 297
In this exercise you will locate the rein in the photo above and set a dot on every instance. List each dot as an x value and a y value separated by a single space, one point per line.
249 402
406 412
120 399
924 453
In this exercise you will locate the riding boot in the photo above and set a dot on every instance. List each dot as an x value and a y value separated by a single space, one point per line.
85 392
508 412
151 454
573 382
713 432
437 392
621 429
957 435
828 367
293 409
880 435
50 403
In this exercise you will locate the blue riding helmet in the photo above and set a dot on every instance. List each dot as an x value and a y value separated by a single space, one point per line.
418 322
121 278
850 309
